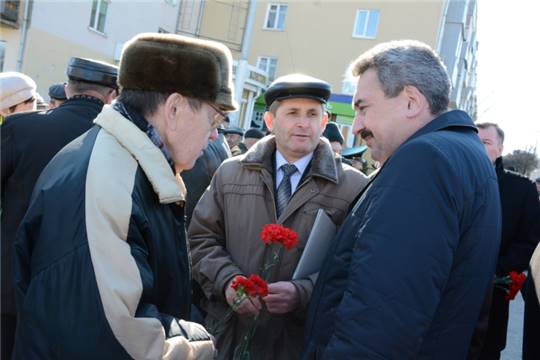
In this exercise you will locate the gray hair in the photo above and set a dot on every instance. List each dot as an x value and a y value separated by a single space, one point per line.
407 62
485 125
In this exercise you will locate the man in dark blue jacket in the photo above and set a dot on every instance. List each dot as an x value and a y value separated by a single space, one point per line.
407 273
519 237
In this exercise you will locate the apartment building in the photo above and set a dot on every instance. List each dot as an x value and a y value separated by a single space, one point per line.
321 38
58 30
267 38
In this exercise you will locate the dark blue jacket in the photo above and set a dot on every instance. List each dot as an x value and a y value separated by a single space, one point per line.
407 273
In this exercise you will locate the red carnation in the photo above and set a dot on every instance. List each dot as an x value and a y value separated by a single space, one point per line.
252 286
259 284
517 280
510 284
279 234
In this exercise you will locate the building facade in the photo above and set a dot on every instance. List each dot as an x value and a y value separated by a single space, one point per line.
267 38
97 29
321 38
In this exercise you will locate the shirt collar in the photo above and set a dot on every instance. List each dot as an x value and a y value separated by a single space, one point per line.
301 164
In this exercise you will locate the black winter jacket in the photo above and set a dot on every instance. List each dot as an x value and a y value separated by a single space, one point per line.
29 142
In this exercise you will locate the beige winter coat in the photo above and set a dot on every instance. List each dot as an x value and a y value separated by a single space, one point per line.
225 242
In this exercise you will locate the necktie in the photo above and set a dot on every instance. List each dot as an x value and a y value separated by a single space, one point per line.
284 188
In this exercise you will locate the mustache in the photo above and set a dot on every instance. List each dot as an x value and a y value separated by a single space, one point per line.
365 133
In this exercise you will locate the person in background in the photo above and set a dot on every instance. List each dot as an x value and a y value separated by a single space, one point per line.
251 136
41 105
101 259
234 135
333 134
520 235
57 95
284 178
29 141
353 157
17 93
406 275
197 180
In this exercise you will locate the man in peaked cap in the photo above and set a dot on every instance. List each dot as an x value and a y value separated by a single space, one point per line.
101 260
233 135
284 178
57 95
333 134
29 142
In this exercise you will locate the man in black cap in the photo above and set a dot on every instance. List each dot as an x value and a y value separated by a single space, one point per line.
57 95
233 135
284 178
333 134
102 268
29 142
251 136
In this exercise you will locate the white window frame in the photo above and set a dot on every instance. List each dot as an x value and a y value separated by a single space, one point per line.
368 13
266 69
276 19
94 23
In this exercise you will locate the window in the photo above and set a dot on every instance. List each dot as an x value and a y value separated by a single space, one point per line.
99 14
275 16
268 64
2 54
365 25
9 11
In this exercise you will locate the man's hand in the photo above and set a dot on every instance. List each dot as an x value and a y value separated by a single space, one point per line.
250 306
282 297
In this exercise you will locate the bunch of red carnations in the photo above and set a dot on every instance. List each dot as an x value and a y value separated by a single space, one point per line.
257 286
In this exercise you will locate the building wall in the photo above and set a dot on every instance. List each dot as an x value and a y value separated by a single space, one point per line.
326 46
10 34
53 70
224 20
54 37
457 48
11 37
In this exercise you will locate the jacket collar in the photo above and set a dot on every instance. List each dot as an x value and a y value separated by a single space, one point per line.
499 168
447 120
323 164
152 162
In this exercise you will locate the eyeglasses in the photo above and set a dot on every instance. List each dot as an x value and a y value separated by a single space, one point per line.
219 117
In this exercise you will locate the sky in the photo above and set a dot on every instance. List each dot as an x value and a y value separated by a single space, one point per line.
508 70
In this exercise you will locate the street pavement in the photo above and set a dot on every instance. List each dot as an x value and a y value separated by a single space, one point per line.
515 330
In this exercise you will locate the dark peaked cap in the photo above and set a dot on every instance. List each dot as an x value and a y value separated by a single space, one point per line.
168 63
297 86
332 133
234 130
92 71
253 133
57 92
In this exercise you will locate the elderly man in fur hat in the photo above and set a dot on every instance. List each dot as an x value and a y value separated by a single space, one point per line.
102 268
284 178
